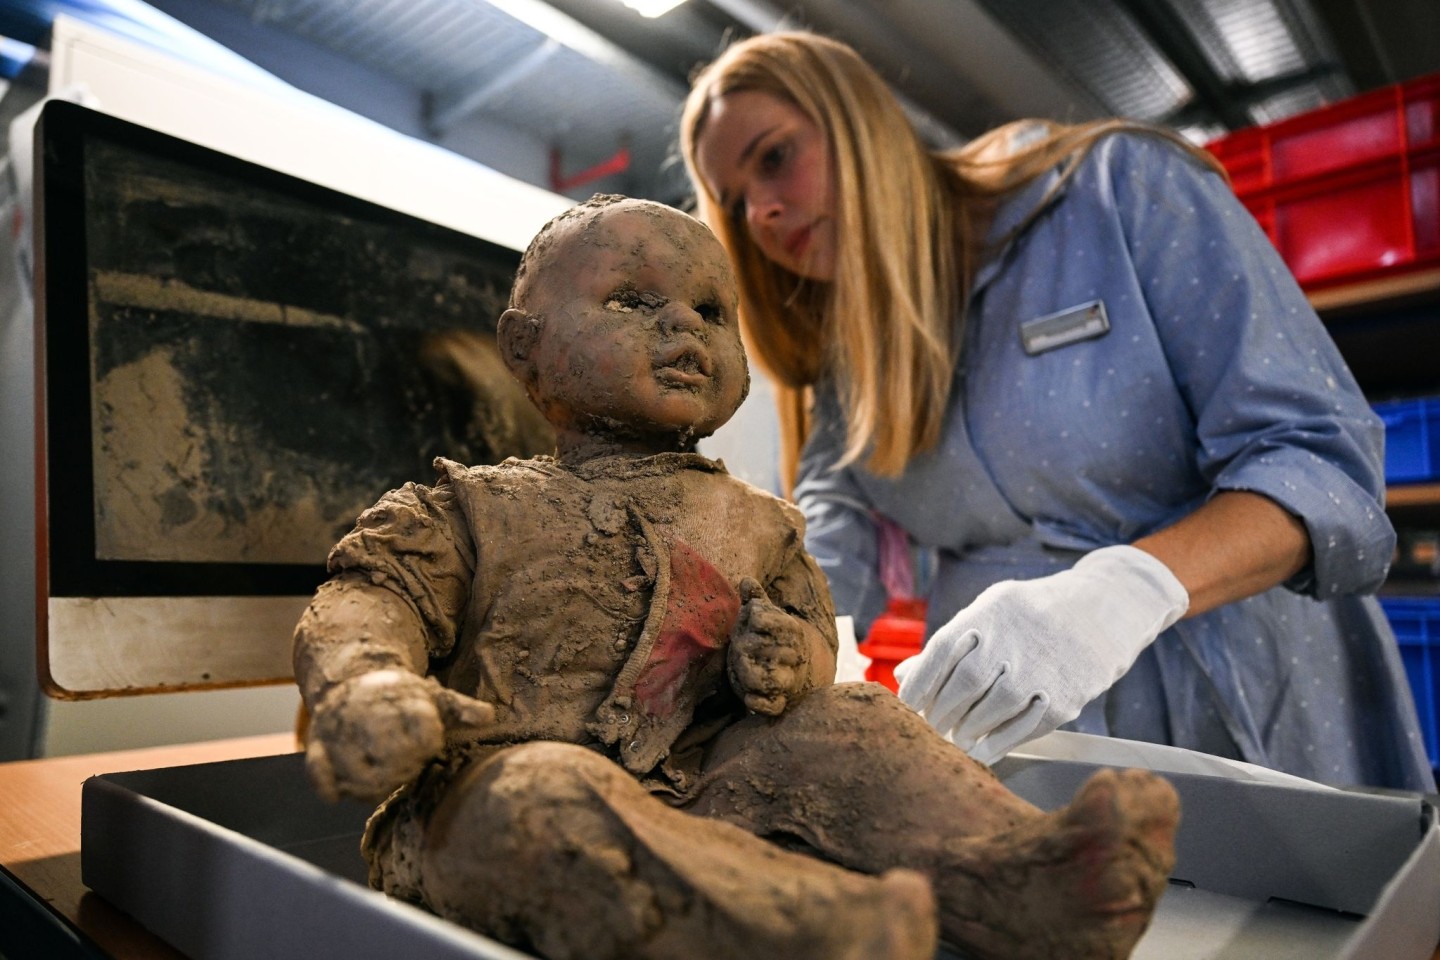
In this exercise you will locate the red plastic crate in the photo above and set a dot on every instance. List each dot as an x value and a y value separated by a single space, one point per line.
1349 192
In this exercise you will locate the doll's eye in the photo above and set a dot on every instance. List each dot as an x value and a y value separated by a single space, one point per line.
710 312
626 301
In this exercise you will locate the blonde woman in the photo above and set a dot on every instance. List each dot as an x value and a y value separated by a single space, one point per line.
1067 359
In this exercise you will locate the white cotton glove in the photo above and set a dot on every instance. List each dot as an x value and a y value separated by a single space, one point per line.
1027 655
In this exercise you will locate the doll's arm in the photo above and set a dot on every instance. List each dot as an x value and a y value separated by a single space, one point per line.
360 658
784 643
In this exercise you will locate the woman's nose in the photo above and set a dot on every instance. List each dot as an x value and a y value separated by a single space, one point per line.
760 207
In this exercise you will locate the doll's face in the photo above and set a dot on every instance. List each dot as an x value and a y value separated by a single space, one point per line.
639 338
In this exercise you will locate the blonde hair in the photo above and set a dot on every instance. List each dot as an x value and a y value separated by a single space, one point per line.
907 244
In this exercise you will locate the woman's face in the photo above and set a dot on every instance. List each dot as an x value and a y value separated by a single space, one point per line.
769 165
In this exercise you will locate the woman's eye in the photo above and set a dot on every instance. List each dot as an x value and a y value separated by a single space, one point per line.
773 158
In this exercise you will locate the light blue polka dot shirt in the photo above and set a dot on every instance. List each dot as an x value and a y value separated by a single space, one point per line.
1209 371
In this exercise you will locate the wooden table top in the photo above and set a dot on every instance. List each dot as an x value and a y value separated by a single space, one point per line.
40 832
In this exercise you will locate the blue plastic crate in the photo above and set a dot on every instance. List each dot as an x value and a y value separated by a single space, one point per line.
1412 439
1416 622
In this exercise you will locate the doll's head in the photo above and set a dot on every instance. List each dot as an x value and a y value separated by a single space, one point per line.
622 327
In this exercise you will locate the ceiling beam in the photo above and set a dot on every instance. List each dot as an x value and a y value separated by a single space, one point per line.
445 108
675 43
1171 35
1382 43
549 20
956 59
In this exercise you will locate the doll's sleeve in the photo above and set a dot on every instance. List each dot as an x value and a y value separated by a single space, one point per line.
399 584
416 543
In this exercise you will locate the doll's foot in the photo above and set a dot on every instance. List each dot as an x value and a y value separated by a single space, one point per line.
1081 882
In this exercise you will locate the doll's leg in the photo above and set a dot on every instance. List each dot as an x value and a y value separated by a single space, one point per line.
855 774
554 847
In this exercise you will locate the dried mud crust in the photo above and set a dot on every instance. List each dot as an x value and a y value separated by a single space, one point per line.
643 880
1011 880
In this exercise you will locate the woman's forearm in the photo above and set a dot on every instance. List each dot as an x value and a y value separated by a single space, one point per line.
1235 546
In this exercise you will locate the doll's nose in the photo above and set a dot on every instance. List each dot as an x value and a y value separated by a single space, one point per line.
680 318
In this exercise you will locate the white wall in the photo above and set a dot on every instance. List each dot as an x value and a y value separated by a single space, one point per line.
750 443
124 723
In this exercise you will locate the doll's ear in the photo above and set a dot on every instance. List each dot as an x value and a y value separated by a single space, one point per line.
518 333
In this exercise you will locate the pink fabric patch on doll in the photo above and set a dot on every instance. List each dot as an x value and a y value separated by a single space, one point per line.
700 613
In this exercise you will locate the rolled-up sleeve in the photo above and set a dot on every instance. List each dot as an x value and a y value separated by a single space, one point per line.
1277 411
415 541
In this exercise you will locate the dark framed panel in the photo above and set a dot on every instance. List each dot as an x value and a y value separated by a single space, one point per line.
233 363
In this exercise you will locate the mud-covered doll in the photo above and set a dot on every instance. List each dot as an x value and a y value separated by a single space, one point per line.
602 682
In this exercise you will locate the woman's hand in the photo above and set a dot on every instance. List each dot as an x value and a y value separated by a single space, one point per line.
1027 655
376 731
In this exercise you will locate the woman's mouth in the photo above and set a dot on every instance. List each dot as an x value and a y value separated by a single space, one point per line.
798 241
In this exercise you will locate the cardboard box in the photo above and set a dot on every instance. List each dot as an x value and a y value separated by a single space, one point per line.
240 859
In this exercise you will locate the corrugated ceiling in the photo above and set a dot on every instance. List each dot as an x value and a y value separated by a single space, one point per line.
585 76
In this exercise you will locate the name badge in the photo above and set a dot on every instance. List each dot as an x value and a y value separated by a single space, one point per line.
1084 322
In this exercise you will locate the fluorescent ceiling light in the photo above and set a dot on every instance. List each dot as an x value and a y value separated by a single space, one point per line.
652 8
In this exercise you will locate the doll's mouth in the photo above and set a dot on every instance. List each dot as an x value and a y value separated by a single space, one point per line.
683 365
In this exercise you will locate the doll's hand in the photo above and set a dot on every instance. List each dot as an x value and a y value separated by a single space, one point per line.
374 732
767 652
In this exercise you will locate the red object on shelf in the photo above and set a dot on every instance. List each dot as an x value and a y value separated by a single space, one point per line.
1349 192
897 634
